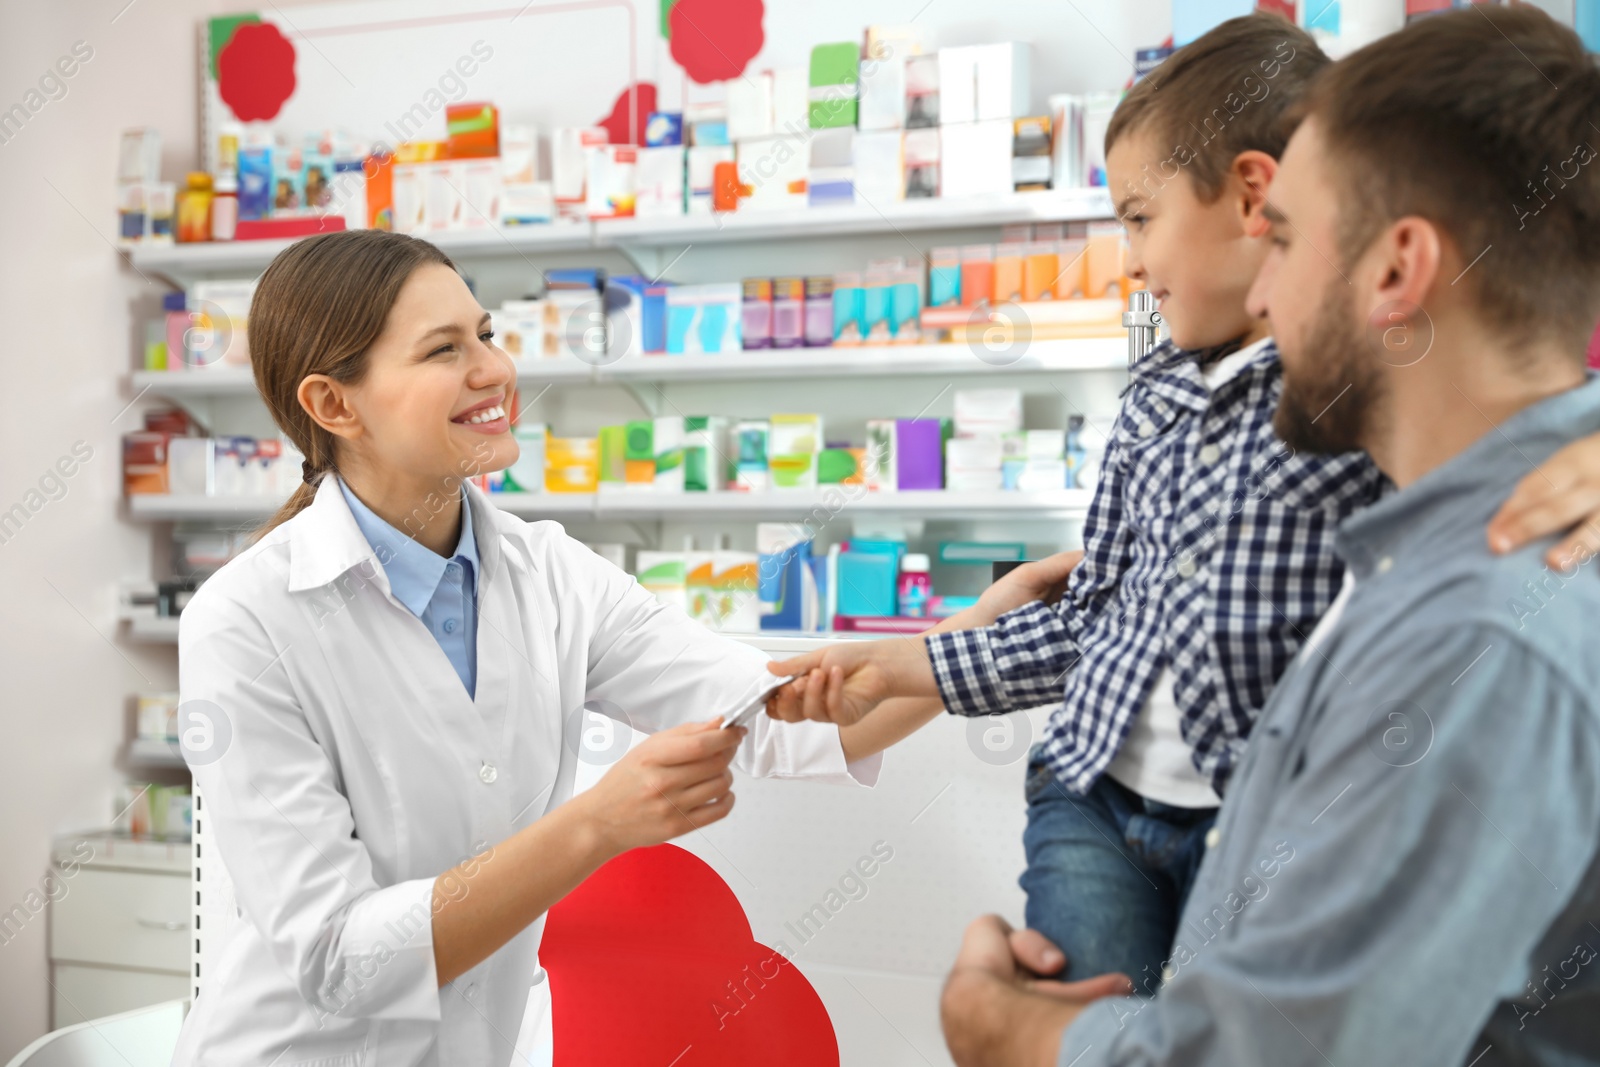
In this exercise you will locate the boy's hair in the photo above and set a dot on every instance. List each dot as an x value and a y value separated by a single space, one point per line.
1484 122
1223 93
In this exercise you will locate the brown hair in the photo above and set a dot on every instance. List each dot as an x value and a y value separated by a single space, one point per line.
320 305
1481 121
1223 93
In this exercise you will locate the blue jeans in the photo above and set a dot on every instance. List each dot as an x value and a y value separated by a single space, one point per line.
1108 873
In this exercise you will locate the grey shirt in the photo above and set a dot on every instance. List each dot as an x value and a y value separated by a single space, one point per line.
1404 870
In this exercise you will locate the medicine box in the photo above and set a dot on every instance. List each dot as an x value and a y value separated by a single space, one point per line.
750 106
735 596
660 182
526 474
704 453
882 100
610 181
975 158
639 454
958 84
665 576
880 466
879 171
832 175
749 450
919 453
703 318
572 465
793 445
774 171
700 175
835 71
987 412
1002 81
670 438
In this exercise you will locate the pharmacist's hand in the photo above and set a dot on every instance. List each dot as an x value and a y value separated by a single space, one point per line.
1044 579
847 679
1561 495
675 781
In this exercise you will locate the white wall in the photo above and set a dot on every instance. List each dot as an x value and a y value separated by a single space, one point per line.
72 312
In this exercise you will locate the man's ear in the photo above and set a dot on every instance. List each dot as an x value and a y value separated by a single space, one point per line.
1411 255
1253 172
328 404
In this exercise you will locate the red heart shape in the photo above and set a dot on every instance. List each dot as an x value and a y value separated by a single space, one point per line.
652 960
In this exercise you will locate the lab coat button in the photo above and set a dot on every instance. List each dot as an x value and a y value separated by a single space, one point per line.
487 774
1213 837
1209 454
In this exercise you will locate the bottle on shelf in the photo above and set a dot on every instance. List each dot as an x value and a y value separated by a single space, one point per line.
915 585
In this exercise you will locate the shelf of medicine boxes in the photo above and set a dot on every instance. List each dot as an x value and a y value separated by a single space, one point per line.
183 263
145 626
1080 354
645 503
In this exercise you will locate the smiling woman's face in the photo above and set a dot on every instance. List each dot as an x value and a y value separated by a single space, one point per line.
432 377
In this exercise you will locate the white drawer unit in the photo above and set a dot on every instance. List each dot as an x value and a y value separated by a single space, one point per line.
119 930
82 993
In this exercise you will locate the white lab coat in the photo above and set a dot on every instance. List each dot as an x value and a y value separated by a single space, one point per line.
354 769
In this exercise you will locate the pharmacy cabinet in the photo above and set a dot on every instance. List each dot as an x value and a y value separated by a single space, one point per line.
119 925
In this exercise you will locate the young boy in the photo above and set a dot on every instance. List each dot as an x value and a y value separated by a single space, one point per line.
1208 548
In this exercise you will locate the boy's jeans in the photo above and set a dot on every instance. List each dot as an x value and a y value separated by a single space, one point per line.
1108 873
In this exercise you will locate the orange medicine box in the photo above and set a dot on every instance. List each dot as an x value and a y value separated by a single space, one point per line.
977 275
1040 266
1008 273
1070 275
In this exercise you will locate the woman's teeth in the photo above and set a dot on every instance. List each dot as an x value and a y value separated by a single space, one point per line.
486 415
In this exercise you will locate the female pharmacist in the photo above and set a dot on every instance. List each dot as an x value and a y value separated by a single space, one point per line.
391 682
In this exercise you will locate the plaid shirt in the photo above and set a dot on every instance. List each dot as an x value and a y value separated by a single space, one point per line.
1208 549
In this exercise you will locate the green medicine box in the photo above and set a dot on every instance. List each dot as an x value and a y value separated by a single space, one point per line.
835 76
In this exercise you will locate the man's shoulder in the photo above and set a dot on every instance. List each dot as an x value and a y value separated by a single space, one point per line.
1515 603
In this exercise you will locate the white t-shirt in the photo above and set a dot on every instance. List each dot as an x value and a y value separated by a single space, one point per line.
1155 761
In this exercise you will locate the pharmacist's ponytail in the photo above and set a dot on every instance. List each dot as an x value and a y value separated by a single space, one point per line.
320 305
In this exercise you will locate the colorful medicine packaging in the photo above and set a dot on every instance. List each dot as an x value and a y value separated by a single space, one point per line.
749 449
793 445
704 318
835 72
663 129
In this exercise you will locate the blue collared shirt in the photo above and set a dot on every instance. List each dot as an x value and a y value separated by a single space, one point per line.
1208 549
443 593
1407 868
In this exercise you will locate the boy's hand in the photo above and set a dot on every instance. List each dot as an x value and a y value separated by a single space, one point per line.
844 681
1561 495
1043 579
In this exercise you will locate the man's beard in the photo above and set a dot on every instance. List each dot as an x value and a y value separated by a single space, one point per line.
1327 401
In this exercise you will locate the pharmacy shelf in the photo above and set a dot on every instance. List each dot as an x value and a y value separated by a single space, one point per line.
1055 356
841 500
146 752
239 381
1085 354
647 504
776 642
186 262
747 224
145 626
